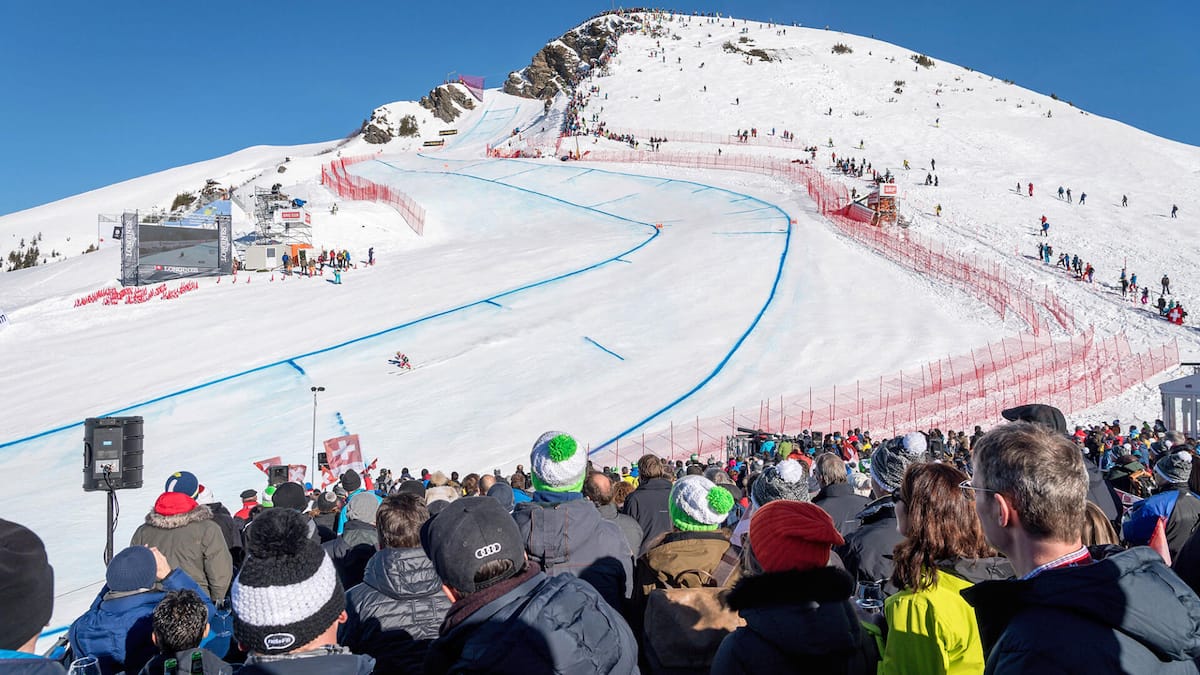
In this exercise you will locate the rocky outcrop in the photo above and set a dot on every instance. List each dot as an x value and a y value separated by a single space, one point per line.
447 102
557 66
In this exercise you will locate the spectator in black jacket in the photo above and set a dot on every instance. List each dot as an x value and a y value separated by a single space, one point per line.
395 613
867 553
837 497
325 515
598 488
358 541
508 616
648 503
1118 611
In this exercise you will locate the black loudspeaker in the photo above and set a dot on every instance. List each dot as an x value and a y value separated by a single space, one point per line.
112 453
277 475
321 463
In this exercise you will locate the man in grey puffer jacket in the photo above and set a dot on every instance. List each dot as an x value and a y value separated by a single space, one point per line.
395 613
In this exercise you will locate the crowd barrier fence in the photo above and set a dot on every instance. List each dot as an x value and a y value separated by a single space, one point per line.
131 295
346 186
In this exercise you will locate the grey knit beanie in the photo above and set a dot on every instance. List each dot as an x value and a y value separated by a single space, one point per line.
892 459
786 480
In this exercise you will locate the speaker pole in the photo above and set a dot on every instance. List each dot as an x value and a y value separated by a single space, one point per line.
313 467
108 546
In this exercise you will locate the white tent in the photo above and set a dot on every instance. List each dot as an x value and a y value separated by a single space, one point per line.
1181 404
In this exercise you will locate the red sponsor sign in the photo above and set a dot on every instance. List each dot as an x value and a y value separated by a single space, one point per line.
289 215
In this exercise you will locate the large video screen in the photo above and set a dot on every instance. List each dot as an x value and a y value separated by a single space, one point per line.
198 244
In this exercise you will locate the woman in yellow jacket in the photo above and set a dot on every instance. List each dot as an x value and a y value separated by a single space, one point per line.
930 628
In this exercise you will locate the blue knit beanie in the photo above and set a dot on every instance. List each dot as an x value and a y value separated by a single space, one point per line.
131 570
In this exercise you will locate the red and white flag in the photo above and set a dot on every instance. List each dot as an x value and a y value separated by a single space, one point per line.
262 464
327 477
297 472
343 454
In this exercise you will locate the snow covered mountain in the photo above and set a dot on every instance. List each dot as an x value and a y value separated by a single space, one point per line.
606 300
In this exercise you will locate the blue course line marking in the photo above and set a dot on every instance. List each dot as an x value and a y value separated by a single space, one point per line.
738 213
429 317
726 234
603 348
494 304
703 189
581 173
536 168
296 366
669 180
618 199
712 375
737 345
624 260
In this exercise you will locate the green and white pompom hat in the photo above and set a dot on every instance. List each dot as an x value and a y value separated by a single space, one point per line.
558 463
698 505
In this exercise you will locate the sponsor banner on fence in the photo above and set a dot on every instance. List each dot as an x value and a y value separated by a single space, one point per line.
448 132
431 144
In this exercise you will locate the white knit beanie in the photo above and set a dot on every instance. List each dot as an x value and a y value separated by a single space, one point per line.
557 463
698 504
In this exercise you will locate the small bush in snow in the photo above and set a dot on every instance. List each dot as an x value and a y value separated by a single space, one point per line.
408 126
182 199
923 61
842 48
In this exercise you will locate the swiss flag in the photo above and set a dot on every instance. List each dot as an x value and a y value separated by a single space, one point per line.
262 464
327 477
343 454
297 472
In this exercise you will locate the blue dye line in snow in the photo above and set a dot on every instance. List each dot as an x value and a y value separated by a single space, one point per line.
737 345
581 173
624 261
536 168
296 366
494 304
617 199
702 189
725 234
342 424
738 213
429 317
603 348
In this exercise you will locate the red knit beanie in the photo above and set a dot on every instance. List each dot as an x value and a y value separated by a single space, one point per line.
787 535
173 504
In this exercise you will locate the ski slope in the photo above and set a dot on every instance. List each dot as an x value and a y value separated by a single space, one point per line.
598 299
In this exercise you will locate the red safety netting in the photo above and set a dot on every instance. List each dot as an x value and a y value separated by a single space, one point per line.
956 392
346 186
130 295
952 393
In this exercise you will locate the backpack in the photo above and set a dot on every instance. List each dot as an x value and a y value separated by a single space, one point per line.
684 627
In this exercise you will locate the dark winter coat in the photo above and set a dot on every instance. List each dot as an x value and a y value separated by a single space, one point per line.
20 663
1124 613
796 622
867 553
192 542
326 525
322 661
116 628
629 527
396 611
211 662
842 504
351 551
534 623
1177 505
231 529
570 537
1101 493
648 506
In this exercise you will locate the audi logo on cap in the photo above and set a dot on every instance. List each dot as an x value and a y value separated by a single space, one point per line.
490 549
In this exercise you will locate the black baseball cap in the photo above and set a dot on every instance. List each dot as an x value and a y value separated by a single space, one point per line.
467 533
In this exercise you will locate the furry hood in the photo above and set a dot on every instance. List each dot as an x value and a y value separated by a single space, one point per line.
175 521
775 589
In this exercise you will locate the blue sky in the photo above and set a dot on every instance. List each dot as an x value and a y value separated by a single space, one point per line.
98 92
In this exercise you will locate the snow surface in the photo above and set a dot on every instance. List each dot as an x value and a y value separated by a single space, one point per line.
543 295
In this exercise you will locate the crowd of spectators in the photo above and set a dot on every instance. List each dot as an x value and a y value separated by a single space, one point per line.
1028 548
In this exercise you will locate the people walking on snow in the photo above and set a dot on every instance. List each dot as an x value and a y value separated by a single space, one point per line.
1124 200
1082 198
1031 189
938 210
1045 227
1166 285
1145 296
933 165
1068 195
1060 192
1174 210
